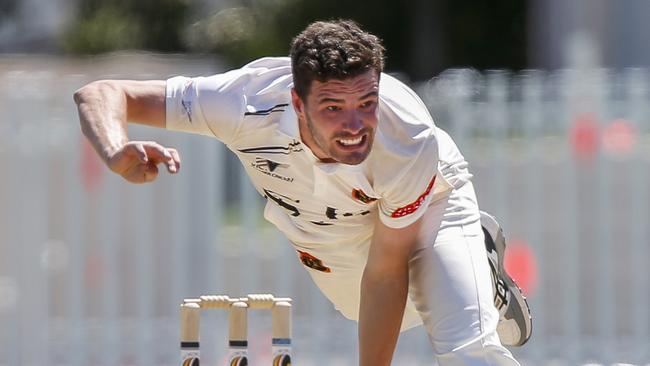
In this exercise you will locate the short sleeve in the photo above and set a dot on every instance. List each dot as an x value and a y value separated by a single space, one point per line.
212 106
412 189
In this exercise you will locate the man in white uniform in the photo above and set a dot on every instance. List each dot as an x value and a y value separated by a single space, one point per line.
376 199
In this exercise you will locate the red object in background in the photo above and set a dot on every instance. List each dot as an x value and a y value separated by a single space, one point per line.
520 264
94 270
619 137
91 167
584 137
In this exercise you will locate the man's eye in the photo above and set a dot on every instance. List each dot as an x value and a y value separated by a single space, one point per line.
333 108
368 104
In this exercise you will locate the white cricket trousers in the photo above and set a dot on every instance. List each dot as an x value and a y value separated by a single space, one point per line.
450 285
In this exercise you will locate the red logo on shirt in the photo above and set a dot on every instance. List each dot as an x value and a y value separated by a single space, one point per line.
313 262
413 206
358 195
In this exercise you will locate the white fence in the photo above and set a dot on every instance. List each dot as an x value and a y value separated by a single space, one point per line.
92 269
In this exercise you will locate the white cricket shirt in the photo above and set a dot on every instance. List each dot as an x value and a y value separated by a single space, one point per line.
325 209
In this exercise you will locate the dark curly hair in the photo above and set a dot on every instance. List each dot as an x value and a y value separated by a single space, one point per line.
337 49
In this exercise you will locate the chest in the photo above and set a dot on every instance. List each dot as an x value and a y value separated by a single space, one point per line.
285 174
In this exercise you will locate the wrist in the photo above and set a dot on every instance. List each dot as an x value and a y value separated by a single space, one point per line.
108 151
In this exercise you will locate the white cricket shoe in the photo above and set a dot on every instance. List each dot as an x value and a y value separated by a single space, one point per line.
515 322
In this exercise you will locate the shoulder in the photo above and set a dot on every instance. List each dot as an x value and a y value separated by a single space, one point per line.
269 63
400 104
405 125
235 102
264 75
406 139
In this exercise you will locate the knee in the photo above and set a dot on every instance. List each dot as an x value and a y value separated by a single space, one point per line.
456 330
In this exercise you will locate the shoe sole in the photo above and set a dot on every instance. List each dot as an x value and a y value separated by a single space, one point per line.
513 312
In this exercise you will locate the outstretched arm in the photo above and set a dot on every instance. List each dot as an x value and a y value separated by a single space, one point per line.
106 106
384 289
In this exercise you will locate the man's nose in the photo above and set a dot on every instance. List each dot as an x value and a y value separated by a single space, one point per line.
353 123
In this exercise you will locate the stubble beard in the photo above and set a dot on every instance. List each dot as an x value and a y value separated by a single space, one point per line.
350 158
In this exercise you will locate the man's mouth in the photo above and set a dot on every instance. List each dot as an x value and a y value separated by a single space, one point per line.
352 142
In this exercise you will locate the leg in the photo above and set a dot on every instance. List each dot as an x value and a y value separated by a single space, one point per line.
450 284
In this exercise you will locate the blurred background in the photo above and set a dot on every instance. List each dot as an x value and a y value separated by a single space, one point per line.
547 99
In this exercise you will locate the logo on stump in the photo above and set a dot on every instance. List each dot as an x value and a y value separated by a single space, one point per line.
282 360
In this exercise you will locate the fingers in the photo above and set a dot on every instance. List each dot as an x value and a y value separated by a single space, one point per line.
151 151
177 159
137 161
161 154
141 153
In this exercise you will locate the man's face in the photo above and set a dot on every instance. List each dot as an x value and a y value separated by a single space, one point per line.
339 117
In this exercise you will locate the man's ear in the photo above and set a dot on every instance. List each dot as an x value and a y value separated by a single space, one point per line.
298 104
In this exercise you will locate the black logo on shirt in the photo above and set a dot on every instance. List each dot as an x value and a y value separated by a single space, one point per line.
334 213
331 213
268 167
267 164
